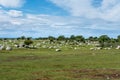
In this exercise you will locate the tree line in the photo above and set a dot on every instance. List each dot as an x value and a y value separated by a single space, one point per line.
104 40
79 38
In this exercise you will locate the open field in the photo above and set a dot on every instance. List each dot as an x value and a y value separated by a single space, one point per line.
59 39
69 64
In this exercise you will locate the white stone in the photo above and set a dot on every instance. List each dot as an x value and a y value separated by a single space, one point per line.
8 48
57 50
118 47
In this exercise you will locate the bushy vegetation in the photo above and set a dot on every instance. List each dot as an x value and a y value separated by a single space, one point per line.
28 41
103 40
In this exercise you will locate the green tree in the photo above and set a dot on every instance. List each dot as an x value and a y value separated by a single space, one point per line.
118 38
104 38
104 41
91 38
28 38
72 38
80 38
62 37
28 41
51 38
23 37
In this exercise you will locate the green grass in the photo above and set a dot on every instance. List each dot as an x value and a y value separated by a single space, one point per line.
46 64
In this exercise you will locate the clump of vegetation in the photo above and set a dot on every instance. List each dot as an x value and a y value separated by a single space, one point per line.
28 41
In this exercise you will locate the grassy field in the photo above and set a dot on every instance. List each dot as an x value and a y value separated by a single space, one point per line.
69 64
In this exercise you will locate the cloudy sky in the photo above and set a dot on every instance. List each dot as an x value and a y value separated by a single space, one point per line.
41 18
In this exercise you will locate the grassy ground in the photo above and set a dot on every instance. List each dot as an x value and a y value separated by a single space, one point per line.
46 64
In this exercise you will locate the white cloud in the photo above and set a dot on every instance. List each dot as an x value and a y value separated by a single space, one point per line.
45 25
109 9
107 4
11 3
15 13
3 16
15 22
75 7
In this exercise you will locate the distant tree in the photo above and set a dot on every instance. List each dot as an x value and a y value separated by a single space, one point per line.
96 38
1 39
104 41
23 37
28 38
72 38
62 37
18 38
51 38
28 41
5 38
118 38
41 38
80 38
113 40
91 38
104 38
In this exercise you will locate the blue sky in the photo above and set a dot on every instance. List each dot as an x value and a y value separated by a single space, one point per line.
41 18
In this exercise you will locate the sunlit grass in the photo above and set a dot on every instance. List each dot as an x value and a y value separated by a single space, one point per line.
46 64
